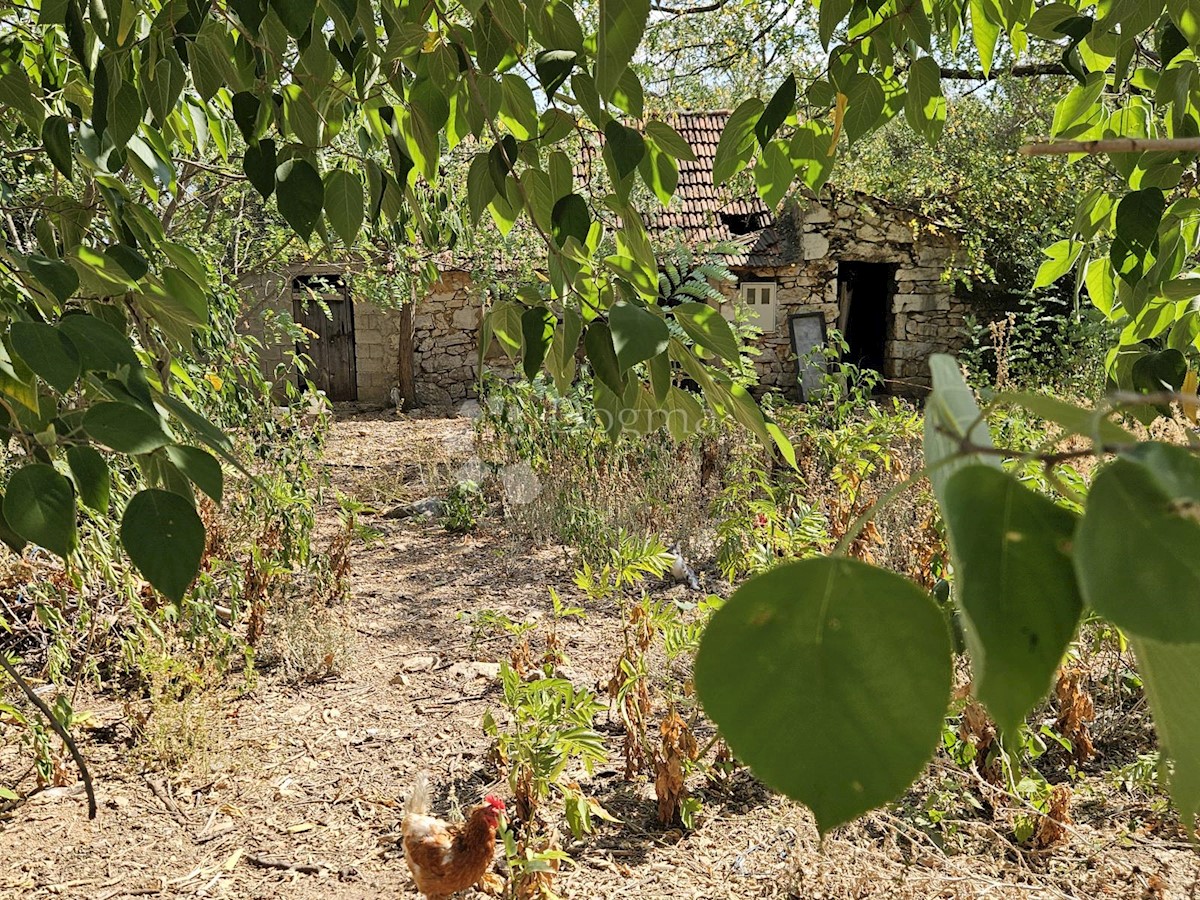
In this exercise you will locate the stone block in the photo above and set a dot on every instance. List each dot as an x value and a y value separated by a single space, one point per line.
816 246
919 303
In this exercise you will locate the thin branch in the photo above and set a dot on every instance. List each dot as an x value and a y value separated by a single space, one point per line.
689 10
58 729
1113 145
1028 70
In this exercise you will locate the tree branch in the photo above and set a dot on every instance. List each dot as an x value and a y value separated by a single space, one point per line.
1029 70
689 10
1113 145
58 729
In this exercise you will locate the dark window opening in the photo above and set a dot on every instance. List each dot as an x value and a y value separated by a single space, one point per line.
744 223
319 284
865 311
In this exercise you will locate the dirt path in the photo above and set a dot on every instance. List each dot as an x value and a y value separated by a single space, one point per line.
313 775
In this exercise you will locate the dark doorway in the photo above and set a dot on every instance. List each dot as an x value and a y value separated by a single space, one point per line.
331 344
865 311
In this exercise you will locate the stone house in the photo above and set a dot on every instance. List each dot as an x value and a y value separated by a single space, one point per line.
877 273
845 260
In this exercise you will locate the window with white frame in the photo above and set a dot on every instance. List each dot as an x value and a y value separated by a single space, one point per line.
759 297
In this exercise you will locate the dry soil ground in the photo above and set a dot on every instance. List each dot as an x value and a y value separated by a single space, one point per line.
299 792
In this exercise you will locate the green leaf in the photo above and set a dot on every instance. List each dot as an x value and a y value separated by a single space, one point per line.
164 538
481 187
537 331
344 203
553 68
859 650
924 104
89 471
1101 287
660 172
259 164
1161 371
48 352
778 108
561 358
128 260
1078 104
774 173
637 334
864 106
56 137
1135 551
124 427
492 45
1060 257
1136 239
55 275
622 23
610 410
518 109
200 466
629 95
708 328
626 145
300 195
1186 16
598 345
736 146
684 414
1170 673
39 505
296 16
209 434
101 347
635 272
951 415
570 218
669 140
832 13
11 539
1015 585
1073 419
985 31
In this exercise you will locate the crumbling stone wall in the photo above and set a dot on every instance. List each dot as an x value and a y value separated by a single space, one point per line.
445 331
925 316
446 341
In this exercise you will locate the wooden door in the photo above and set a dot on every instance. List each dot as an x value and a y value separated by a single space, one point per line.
331 344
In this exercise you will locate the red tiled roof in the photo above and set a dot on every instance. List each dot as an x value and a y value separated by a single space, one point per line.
706 213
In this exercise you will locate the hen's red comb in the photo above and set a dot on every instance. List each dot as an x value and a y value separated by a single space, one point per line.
495 802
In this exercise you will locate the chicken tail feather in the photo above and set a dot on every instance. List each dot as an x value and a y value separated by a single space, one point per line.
418 797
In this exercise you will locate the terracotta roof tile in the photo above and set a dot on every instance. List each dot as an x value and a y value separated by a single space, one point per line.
707 213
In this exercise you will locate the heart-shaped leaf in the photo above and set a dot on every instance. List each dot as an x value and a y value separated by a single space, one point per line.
39 505
164 538
830 678
300 195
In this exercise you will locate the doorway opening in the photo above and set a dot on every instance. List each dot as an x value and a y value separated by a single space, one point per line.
865 311
321 304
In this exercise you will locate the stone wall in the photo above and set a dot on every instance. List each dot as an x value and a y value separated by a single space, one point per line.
925 316
444 341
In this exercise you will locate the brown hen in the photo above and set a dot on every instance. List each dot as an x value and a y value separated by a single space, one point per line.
445 858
